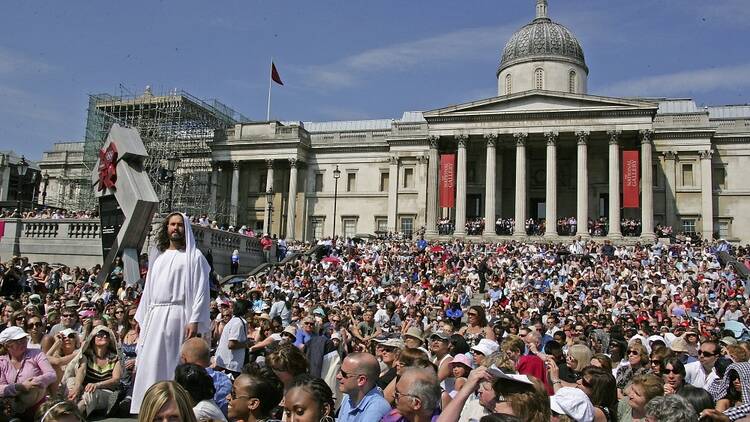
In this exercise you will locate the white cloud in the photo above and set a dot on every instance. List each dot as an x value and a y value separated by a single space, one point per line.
13 62
681 83
453 47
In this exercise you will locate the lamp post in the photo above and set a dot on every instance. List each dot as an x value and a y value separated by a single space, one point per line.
22 167
336 175
45 181
269 203
168 175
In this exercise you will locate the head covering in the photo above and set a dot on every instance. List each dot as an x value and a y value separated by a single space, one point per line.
441 335
718 390
290 330
486 346
461 359
35 298
12 333
393 342
728 340
679 345
574 403
414 332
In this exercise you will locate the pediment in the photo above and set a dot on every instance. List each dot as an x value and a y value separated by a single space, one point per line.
541 101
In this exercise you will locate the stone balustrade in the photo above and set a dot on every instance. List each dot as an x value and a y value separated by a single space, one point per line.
76 242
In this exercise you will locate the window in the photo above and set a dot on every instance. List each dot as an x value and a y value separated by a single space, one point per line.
471 172
316 227
262 182
655 178
508 84
687 175
384 181
351 182
572 81
381 224
350 227
688 225
539 78
407 225
408 178
318 182
719 178
723 229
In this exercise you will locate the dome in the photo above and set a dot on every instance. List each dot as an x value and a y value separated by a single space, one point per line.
542 39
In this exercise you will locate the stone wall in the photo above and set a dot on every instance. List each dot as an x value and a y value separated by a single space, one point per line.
75 242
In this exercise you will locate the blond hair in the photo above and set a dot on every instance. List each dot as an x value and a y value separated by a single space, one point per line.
582 354
161 393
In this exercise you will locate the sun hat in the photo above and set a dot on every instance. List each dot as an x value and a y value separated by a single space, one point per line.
12 333
461 359
291 330
393 342
414 332
573 402
679 344
486 347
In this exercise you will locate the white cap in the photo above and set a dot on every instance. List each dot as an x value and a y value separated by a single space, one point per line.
12 333
573 402
486 347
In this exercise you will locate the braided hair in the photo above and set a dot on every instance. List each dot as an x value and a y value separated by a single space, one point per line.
318 388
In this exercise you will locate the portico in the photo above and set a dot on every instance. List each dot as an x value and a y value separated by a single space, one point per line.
549 140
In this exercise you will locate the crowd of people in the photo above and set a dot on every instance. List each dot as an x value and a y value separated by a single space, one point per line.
400 330
49 213
566 226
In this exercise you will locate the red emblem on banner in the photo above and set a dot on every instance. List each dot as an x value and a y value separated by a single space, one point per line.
448 180
108 167
631 179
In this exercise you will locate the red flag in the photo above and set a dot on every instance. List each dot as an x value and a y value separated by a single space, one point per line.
630 179
447 180
275 75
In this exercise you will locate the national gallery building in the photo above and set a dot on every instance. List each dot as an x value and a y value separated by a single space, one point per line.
542 149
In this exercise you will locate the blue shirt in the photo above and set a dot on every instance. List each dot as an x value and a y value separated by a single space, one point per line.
372 407
223 386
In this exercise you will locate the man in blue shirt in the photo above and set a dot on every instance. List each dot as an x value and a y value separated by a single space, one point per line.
362 401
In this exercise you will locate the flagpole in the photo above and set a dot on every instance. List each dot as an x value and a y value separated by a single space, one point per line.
268 110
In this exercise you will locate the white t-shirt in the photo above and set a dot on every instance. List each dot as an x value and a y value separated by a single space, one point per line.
207 410
231 359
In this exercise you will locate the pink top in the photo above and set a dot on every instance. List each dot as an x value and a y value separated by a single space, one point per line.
34 366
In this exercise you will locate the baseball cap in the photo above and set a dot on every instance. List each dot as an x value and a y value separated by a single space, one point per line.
441 335
12 333
574 403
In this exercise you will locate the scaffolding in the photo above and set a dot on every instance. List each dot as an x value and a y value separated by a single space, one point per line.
176 124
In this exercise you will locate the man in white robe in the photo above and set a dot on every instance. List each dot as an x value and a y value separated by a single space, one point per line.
174 306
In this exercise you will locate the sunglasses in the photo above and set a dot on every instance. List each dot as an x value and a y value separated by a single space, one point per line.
655 362
344 374
102 334
707 354
633 352
234 396
68 315
35 325
666 371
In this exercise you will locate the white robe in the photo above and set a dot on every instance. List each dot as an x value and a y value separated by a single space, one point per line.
172 298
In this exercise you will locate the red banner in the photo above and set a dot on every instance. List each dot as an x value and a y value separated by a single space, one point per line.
448 180
631 179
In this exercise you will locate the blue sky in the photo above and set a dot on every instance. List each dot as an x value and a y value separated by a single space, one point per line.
343 59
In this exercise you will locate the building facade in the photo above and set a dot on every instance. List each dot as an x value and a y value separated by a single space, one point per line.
543 148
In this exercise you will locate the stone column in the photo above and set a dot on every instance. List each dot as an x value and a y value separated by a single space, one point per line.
421 217
670 188
520 215
461 186
647 186
433 169
291 212
235 196
707 207
490 187
551 186
392 192
582 185
214 190
614 184
269 186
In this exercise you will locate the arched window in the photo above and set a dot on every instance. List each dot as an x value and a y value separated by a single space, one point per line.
572 81
539 78
508 84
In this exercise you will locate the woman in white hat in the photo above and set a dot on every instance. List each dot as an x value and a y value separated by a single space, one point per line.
24 373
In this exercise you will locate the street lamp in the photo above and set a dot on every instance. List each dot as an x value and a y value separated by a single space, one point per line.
269 202
336 175
22 167
45 180
168 175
